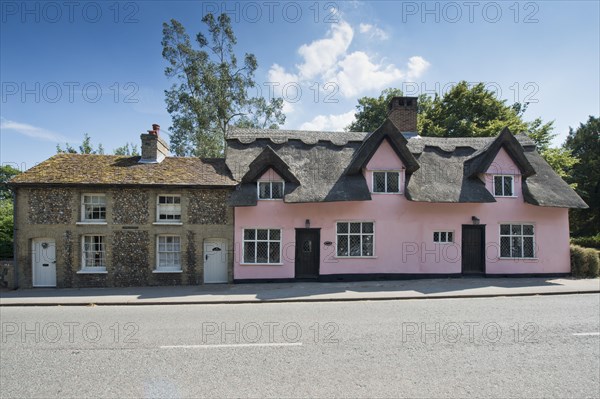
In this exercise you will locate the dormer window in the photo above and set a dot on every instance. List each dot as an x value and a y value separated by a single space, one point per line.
268 190
386 182
504 186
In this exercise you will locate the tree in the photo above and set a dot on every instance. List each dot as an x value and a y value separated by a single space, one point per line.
212 90
85 147
371 112
6 228
7 172
584 143
128 149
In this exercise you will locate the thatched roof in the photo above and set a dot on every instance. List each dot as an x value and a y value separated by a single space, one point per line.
438 169
78 169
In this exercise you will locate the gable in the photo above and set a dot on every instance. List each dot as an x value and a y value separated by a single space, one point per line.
270 175
385 158
503 164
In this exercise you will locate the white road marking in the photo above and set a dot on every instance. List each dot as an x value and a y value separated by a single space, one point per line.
587 334
268 344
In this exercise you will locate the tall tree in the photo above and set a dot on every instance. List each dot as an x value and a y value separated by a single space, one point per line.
7 172
212 89
584 142
128 149
86 147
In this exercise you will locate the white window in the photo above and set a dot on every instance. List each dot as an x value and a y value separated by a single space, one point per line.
262 246
517 241
443 236
168 208
503 186
386 182
355 239
93 253
93 208
168 253
270 189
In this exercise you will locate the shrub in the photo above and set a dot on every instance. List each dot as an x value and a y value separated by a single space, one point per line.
593 262
589 242
578 262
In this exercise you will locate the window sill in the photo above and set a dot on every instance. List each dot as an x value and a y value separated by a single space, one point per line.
168 223
156 271
270 199
91 223
261 264
373 192
501 258
355 257
91 271
505 196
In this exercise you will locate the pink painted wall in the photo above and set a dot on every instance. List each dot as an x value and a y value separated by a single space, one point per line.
404 230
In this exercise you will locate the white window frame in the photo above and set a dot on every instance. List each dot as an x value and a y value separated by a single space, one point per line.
101 269
373 255
512 186
510 235
158 210
386 181
84 219
445 234
167 269
270 182
256 241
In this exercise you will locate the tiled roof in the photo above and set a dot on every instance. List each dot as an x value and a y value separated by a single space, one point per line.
124 170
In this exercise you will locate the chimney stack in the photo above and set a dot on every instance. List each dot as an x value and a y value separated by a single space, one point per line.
403 112
154 149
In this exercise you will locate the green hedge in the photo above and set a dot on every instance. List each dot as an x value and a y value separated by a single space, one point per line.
585 262
588 242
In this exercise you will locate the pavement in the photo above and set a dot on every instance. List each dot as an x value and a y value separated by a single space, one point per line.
301 292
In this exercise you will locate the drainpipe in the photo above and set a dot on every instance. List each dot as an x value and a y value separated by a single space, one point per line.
15 252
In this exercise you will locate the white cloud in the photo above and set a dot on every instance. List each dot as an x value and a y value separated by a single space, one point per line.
329 122
358 74
31 131
417 65
373 31
321 55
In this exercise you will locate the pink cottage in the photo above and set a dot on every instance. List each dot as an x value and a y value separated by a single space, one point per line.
393 204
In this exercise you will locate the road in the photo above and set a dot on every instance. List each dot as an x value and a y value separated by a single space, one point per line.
544 346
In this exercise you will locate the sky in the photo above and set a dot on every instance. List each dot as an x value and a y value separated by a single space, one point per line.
96 67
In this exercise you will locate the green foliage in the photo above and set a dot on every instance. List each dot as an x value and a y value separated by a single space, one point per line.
7 172
129 149
6 228
588 242
371 112
584 262
584 143
212 89
562 161
86 147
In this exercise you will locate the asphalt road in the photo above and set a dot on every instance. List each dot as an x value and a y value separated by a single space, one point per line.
547 346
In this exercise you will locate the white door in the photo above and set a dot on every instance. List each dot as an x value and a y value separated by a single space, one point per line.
215 261
44 262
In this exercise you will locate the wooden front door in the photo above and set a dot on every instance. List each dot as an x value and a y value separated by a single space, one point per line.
308 252
473 249
43 256
215 261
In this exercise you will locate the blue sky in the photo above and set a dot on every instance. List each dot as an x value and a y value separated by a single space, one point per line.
96 67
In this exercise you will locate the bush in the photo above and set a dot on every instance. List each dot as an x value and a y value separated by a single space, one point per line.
585 262
589 242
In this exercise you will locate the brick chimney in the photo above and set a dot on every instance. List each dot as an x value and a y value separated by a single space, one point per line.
154 149
403 112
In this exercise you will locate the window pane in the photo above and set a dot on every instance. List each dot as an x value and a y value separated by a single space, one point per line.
249 252
528 229
355 227
274 234
505 247
450 236
342 227
436 237
355 248
342 249
367 227
497 185
249 234
528 247
262 252
517 247
508 185
393 182
277 190
274 252
367 245
264 190
443 236
379 182
515 229
262 234
505 229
